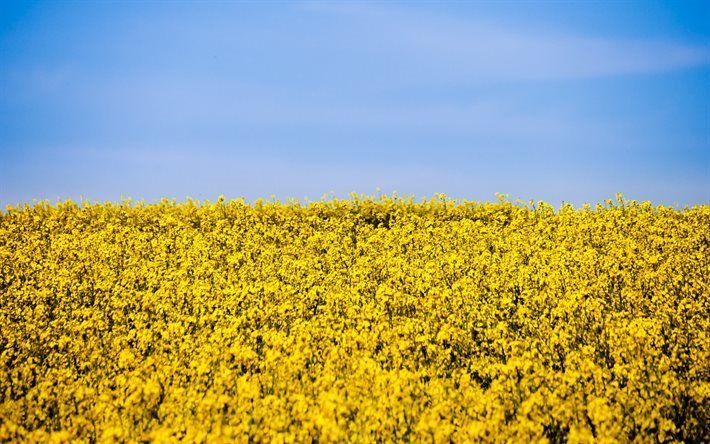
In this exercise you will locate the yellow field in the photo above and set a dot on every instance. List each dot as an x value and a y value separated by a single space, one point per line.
354 320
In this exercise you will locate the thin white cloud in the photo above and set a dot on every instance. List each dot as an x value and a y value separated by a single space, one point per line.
475 49
169 102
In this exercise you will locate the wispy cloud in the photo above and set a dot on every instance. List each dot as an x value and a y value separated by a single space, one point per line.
129 111
468 48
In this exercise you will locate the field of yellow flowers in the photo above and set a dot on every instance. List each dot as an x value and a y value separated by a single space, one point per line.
357 320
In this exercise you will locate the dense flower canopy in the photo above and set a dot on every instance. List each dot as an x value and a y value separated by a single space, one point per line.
366 319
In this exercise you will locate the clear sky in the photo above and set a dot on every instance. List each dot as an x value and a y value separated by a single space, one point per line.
545 100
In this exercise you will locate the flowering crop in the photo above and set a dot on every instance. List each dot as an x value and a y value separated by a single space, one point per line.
354 320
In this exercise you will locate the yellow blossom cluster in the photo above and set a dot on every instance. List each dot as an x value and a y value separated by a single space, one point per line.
357 320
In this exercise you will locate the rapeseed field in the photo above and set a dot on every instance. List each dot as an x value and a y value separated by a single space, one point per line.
357 320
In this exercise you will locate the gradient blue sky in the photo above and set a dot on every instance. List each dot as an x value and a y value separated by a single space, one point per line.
555 100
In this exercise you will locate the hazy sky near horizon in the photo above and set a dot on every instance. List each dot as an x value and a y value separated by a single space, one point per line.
546 100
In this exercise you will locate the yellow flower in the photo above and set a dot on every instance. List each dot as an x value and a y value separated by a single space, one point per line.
359 320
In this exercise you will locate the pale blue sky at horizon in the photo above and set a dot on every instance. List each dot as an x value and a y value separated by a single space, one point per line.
543 100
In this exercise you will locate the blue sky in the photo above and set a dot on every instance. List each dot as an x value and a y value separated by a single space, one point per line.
554 100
